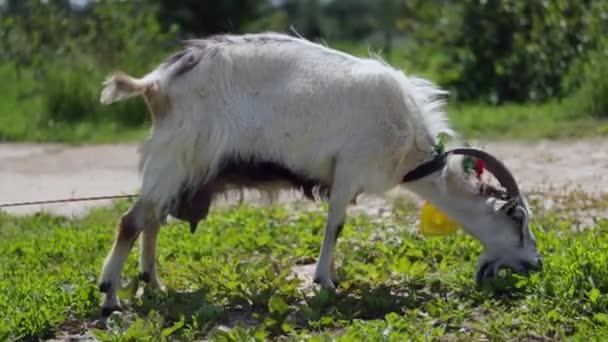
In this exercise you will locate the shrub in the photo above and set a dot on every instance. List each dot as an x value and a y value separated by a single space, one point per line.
71 95
67 97
520 50
592 95
71 57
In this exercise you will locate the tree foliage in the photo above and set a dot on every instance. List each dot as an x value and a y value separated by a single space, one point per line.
520 50
102 32
68 51
203 17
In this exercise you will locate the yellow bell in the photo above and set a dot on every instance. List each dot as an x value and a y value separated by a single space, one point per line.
434 222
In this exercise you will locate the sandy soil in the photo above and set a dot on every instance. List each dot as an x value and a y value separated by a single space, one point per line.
32 172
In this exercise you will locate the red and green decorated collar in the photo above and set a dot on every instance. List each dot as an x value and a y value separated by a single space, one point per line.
469 164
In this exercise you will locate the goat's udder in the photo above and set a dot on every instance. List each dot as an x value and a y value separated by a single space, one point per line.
192 204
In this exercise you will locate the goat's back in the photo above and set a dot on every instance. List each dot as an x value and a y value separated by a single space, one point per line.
276 98
288 98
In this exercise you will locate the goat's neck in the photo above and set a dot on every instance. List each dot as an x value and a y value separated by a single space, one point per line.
460 206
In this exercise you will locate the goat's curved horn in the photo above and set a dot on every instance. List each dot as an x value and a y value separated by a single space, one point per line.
495 166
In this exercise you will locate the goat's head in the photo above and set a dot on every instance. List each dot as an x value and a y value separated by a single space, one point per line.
498 218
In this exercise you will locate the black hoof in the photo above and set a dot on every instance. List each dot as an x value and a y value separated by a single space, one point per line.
105 312
145 277
336 284
104 287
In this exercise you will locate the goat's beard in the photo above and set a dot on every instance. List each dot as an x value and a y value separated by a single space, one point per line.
488 267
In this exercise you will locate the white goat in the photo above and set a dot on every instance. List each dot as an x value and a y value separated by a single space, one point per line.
268 110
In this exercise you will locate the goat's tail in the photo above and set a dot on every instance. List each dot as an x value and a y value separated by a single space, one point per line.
121 86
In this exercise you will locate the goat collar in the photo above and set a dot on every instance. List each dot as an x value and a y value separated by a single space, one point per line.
426 168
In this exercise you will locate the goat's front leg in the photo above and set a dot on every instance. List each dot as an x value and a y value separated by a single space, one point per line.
147 257
341 195
130 227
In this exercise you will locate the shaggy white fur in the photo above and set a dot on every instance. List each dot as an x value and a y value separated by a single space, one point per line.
355 124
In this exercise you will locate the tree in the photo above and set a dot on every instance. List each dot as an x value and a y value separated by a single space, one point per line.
520 50
204 17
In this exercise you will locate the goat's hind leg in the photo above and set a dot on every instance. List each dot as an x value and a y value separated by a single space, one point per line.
191 208
131 225
147 257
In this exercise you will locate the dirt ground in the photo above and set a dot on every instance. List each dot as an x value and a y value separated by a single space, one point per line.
32 172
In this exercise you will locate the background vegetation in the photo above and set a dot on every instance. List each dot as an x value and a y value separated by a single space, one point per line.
548 55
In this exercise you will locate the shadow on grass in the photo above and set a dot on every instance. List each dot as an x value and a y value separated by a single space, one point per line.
192 305
320 308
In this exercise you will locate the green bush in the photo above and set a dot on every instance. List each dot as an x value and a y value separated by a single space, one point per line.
591 97
520 50
71 57
74 97
69 99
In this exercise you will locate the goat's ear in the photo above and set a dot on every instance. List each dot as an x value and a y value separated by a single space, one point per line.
489 190
519 215
513 209
494 205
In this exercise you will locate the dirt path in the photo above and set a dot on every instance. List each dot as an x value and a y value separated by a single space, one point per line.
40 172
36 172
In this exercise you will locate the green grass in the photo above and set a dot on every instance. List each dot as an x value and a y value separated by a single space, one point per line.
396 284
550 120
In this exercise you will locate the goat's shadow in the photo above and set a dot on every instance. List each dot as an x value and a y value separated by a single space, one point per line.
193 306
358 301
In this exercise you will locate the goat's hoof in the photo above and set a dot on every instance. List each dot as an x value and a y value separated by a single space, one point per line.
104 287
334 279
157 285
325 283
152 282
106 312
145 277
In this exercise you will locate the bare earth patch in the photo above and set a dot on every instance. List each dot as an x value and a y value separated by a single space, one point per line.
43 172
